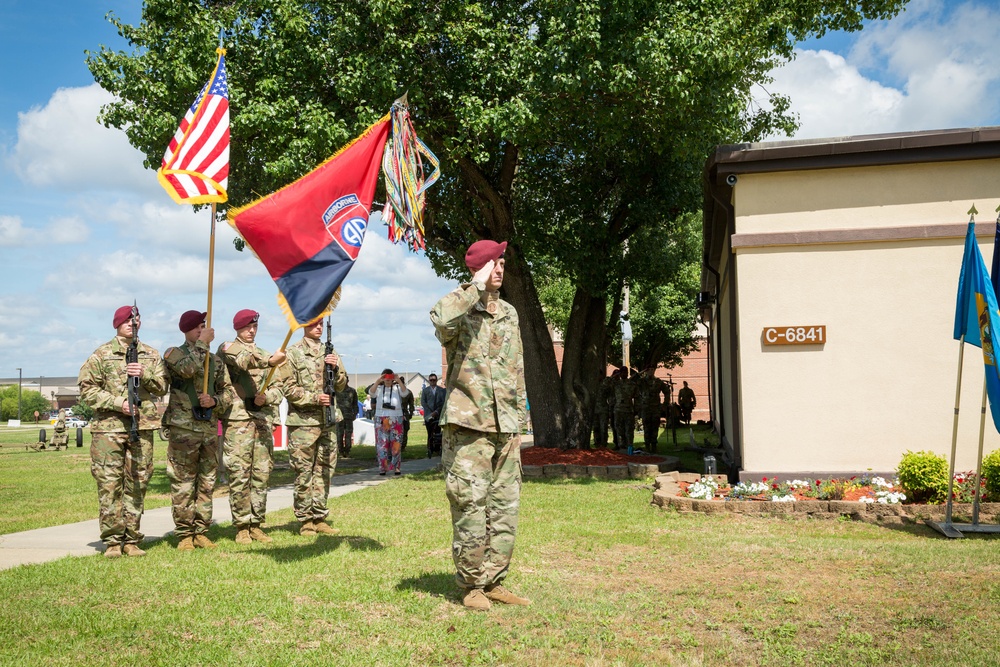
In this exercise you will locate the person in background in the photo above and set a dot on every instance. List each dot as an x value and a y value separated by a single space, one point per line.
347 401
387 402
120 467
432 401
408 409
624 410
686 399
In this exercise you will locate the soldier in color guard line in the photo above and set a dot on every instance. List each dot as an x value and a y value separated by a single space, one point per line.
122 468
192 422
312 446
248 446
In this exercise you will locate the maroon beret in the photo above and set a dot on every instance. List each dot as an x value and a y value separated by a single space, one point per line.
481 252
245 318
191 319
123 314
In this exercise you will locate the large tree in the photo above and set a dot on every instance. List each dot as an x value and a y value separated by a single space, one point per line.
566 127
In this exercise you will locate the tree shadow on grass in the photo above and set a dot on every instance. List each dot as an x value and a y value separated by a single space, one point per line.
438 584
563 481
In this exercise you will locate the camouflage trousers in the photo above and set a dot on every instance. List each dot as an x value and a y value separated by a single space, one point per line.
312 451
122 470
483 485
624 429
345 434
192 464
650 428
601 419
247 454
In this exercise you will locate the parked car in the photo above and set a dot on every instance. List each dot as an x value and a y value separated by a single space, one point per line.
74 422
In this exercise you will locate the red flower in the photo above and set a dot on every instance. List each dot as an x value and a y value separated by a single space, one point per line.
817 482
763 479
774 486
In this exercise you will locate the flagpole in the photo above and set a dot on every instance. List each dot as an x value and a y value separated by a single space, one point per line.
979 460
954 428
270 373
211 275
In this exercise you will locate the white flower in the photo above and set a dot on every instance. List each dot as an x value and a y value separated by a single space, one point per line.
879 481
890 497
866 499
783 499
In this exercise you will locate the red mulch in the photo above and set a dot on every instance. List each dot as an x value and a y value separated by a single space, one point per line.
540 456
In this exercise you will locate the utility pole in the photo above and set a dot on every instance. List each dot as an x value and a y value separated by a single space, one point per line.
18 394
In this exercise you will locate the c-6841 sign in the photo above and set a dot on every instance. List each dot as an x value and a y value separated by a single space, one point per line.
806 335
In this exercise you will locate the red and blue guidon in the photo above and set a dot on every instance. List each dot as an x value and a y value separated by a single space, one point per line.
309 233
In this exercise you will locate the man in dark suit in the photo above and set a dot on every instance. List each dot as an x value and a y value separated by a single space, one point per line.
432 400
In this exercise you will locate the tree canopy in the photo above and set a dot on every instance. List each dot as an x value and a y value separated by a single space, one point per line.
565 127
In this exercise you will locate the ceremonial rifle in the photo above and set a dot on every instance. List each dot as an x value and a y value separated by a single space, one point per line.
330 380
132 357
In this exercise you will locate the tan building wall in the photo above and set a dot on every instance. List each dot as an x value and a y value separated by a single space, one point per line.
874 254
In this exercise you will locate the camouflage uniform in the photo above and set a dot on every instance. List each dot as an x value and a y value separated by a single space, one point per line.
248 445
347 402
193 449
625 412
648 391
121 468
60 436
602 411
484 409
311 446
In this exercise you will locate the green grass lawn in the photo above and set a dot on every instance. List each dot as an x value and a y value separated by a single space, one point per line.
614 581
49 488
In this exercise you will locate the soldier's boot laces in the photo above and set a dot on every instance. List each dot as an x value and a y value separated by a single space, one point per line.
323 528
203 542
243 536
133 550
498 593
114 551
307 528
186 544
257 534
476 599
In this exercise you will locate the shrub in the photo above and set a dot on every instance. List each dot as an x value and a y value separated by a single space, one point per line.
991 473
924 476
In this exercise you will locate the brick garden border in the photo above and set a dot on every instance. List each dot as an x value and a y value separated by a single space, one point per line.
571 471
666 494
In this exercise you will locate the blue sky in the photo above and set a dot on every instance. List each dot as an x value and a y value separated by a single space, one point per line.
84 228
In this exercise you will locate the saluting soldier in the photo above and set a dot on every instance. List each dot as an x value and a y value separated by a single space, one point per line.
248 425
624 409
347 402
484 408
649 389
122 468
312 447
192 424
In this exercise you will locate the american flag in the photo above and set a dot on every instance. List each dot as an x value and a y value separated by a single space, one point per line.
196 165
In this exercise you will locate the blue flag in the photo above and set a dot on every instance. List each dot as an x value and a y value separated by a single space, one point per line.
977 317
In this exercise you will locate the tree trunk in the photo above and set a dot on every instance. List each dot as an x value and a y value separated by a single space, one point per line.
583 367
541 374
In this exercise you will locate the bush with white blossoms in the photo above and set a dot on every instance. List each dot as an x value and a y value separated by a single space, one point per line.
890 497
748 489
783 499
703 489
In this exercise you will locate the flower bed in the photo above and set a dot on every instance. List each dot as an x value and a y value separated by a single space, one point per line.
674 490
547 462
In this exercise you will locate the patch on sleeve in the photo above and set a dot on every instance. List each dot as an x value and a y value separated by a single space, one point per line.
227 345
172 354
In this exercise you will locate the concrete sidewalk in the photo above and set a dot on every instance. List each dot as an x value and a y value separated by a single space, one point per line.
83 538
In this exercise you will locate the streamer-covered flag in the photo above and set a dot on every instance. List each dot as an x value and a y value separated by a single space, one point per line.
309 233
196 163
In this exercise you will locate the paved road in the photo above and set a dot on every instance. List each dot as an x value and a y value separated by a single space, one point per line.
83 538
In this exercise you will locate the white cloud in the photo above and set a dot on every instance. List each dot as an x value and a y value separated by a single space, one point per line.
936 68
62 144
12 231
60 231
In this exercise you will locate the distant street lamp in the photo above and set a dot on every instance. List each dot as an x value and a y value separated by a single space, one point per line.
18 394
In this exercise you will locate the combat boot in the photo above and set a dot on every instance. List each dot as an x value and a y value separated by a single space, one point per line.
186 544
133 550
243 536
476 599
307 528
114 551
203 542
257 534
498 593
323 528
